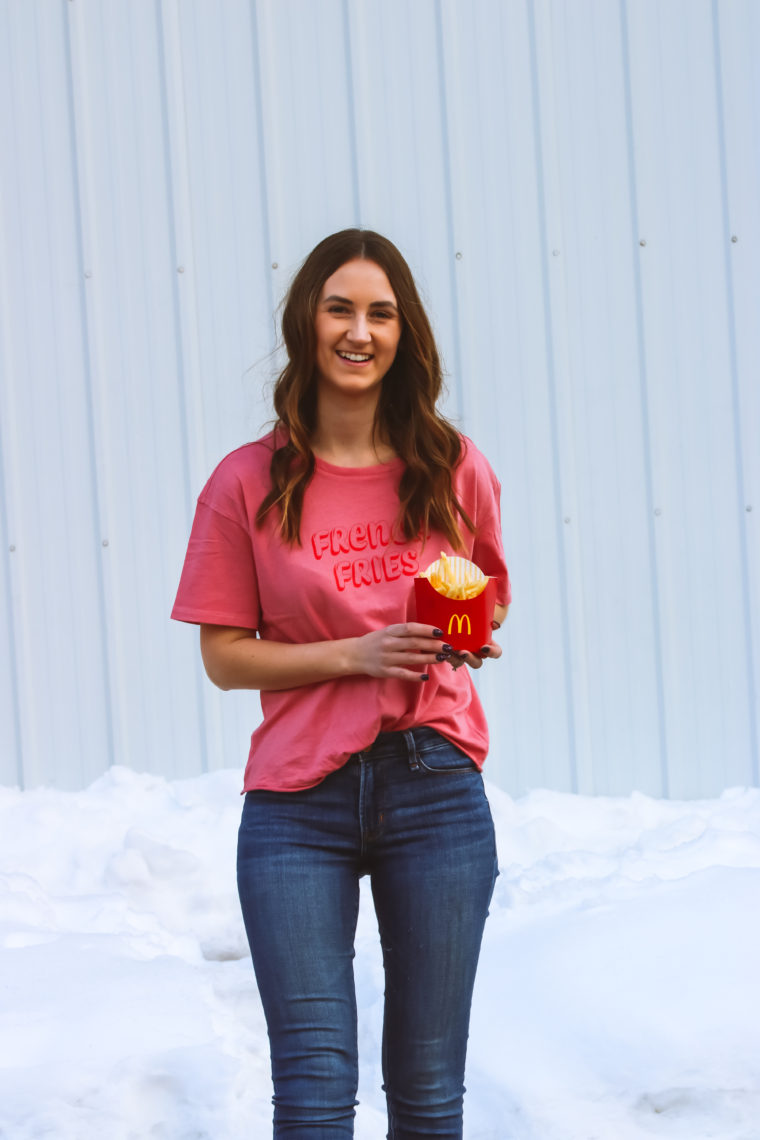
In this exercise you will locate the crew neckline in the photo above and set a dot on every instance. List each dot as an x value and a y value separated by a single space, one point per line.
372 469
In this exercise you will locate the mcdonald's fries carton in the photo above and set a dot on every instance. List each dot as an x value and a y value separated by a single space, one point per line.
456 596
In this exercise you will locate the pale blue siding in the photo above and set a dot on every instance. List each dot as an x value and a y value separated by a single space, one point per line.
576 186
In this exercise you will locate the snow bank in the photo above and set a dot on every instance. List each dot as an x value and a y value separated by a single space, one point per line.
618 995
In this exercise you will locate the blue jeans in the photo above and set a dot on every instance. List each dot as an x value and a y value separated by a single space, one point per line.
411 813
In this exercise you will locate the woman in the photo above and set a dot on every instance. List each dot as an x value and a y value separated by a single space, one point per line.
299 571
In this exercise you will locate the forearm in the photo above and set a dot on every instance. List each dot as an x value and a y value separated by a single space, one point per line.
237 659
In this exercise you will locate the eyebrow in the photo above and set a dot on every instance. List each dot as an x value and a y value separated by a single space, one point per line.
372 304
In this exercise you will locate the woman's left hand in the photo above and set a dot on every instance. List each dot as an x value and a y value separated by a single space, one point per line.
475 660
490 652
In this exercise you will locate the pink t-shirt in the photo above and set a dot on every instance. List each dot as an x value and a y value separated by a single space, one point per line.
349 576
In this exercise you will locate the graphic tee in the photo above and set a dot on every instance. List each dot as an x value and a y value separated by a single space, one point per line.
352 574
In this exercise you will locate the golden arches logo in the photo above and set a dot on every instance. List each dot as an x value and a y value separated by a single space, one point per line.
460 619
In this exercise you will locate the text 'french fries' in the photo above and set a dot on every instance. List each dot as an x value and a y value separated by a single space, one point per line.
455 577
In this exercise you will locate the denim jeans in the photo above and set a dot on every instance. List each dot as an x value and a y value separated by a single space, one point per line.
411 813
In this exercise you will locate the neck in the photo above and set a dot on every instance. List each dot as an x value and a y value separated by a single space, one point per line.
345 434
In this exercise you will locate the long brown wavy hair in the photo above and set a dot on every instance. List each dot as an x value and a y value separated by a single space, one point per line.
406 415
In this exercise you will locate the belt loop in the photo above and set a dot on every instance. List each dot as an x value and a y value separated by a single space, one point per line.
411 751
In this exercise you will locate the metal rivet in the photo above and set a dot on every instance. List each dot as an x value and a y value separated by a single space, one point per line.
555 253
459 256
12 547
643 241
734 237
180 269
567 518
658 510
105 542
275 265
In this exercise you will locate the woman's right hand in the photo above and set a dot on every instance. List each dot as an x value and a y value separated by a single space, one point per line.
402 651
236 658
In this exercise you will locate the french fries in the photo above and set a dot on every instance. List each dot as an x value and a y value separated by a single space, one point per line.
455 577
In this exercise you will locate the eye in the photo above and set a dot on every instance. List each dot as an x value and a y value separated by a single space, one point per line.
382 314
337 309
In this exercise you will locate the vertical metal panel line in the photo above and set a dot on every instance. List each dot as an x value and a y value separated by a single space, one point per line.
172 235
351 112
259 109
8 600
171 213
4 489
552 391
735 398
456 331
644 396
95 501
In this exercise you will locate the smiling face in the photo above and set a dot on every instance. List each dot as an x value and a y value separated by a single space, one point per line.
358 329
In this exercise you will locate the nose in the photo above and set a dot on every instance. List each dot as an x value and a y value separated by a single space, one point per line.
359 330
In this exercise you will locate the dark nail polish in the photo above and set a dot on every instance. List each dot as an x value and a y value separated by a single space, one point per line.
437 633
442 656
495 624
484 651
425 677
448 648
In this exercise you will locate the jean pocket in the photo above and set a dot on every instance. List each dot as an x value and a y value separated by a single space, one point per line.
444 758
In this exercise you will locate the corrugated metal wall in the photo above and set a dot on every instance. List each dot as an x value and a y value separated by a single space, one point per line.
576 185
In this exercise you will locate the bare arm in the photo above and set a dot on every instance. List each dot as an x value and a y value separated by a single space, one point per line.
236 658
500 613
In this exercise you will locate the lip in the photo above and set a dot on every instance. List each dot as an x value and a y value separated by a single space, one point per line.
354 363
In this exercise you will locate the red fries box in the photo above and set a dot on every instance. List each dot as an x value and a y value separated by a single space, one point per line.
466 622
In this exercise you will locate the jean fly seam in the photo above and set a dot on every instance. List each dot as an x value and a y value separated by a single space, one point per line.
411 749
364 779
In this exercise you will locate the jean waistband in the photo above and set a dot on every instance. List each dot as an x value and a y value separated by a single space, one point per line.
405 744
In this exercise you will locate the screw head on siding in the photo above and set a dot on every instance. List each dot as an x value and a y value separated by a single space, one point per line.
734 237
88 273
567 518
458 255
658 511
180 269
643 241
275 265
555 253
105 542
12 547
747 508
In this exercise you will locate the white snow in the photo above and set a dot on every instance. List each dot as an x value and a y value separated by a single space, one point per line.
618 996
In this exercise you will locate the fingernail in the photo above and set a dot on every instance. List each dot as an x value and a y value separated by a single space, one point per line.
437 633
442 656
495 624
448 648
424 676
484 651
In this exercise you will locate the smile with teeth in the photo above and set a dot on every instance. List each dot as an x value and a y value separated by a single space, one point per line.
355 357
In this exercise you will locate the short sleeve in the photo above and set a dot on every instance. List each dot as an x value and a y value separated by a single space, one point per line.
488 548
218 585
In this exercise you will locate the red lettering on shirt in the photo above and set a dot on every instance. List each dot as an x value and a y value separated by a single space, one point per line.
392 565
342 571
362 572
385 566
378 534
339 540
320 542
410 561
357 536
